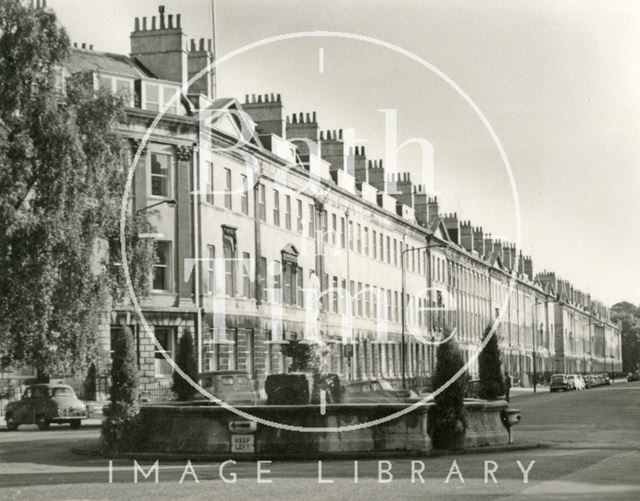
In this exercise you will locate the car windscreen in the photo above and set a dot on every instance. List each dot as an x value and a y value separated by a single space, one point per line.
557 378
62 392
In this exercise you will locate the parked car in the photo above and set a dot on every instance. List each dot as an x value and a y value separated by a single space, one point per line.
376 391
633 376
473 389
232 387
578 382
43 404
561 382
591 381
605 379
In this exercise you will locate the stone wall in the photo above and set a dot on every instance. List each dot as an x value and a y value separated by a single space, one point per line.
205 429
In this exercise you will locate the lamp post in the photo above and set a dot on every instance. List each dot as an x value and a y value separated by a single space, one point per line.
170 203
535 345
402 298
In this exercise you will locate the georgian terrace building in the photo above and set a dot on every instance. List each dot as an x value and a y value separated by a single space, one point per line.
237 266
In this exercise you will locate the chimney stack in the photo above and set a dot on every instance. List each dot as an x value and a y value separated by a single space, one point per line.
452 225
300 130
466 235
400 187
161 50
478 241
267 113
332 150
528 267
376 175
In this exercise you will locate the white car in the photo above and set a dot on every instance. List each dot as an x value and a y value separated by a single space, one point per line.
577 380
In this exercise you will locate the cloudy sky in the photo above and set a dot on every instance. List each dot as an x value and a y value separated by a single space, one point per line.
559 81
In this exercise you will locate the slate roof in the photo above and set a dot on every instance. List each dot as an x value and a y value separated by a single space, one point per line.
89 60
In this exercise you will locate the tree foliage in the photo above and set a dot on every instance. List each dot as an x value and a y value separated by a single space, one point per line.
61 181
447 418
629 316
490 368
187 361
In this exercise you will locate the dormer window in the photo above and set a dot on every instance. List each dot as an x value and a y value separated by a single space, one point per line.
118 86
155 95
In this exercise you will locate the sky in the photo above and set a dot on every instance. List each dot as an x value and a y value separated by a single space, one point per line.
558 81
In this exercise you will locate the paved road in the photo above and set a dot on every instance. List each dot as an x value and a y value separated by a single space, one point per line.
594 455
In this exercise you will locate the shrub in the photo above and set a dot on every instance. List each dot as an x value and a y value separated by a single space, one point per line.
187 361
300 354
490 368
121 426
447 418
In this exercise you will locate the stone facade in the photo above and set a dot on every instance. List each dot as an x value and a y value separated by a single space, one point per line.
287 213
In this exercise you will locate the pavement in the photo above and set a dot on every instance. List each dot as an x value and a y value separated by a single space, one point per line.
593 454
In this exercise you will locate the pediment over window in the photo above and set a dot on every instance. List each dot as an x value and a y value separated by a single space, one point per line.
290 255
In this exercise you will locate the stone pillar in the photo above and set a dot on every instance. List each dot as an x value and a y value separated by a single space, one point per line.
183 214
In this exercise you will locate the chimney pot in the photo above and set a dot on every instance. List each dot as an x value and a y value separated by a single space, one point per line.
178 16
308 118
136 25
253 98
210 45
90 47
153 23
295 118
170 21
201 45
266 98
300 117
278 98
144 24
314 113
84 45
260 98
339 133
273 99
193 45
75 44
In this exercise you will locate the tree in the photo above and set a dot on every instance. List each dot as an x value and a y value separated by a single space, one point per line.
61 181
123 390
629 317
447 418
490 368
121 426
187 361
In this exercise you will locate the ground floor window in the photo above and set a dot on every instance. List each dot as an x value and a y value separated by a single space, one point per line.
166 336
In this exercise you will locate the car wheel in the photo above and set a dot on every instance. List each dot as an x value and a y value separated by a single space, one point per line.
12 424
75 424
42 422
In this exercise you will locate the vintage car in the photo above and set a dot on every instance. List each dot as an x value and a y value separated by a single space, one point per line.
232 387
376 391
473 388
43 404
561 382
